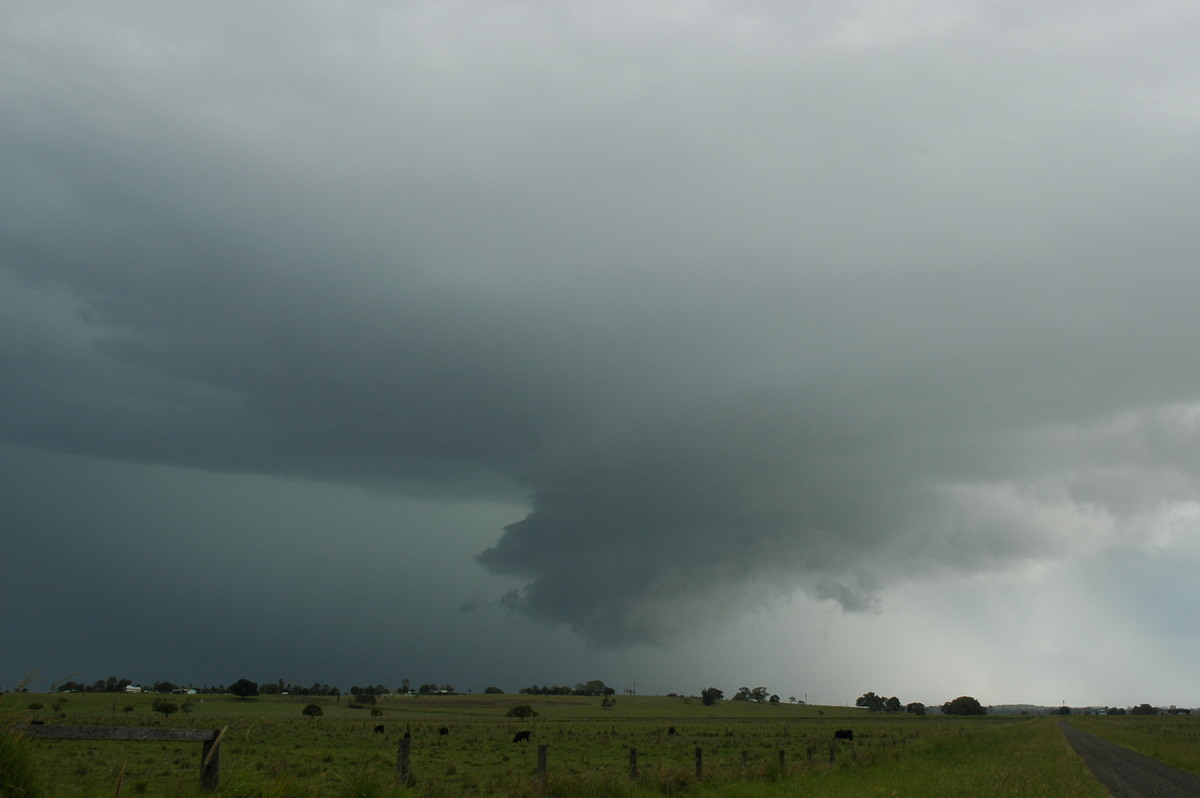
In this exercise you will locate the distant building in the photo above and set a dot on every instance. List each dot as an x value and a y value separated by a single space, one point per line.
132 688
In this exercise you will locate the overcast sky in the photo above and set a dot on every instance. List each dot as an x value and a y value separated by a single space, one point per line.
833 347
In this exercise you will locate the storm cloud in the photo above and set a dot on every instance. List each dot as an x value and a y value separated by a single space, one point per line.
739 303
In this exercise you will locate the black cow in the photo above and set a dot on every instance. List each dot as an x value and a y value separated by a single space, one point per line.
671 731
444 731
379 729
843 734
521 737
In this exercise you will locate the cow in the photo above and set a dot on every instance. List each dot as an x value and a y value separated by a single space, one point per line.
379 729
444 731
671 731
844 734
521 737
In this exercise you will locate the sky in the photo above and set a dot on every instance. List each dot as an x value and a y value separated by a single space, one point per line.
832 347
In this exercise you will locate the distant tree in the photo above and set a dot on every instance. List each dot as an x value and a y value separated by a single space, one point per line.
915 708
1143 709
376 712
711 695
494 691
760 694
774 699
165 707
594 687
186 706
1115 711
871 702
743 694
521 712
312 711
1064 710
244 688
963 705
608 702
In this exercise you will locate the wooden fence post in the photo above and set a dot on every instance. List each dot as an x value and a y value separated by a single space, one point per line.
210 762
745 761
542 761
633 763
782 760
699 761
403 771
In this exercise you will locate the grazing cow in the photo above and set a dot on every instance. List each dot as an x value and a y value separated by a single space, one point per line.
521 737
843 734
444 731
379 729
671 731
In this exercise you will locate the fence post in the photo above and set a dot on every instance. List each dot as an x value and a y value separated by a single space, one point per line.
210 762
699 761
403 772
633 763
782 760
542 760
745 761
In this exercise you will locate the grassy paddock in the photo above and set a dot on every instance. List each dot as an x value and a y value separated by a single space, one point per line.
272 751
1175 739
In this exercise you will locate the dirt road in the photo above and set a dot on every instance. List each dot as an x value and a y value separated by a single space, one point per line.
1128 774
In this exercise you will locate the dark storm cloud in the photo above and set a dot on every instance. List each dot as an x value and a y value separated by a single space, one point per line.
741 303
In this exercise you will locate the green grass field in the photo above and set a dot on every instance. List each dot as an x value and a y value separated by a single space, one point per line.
271 750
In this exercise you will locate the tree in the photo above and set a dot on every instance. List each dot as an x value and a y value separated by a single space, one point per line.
244 688
1143 709
312 711
1064 710
871 702
494 691
165 707
916 708
711 695
963 705
521 712
892 705
774 699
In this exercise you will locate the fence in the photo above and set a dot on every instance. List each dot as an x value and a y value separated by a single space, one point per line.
404 760
210 755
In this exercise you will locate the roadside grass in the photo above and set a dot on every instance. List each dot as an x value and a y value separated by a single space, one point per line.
1174 739
271 751
20 776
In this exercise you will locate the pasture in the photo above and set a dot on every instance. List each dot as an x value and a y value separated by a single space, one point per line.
271 750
